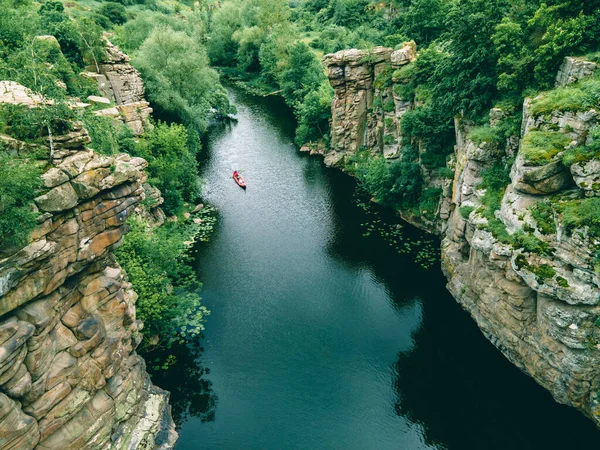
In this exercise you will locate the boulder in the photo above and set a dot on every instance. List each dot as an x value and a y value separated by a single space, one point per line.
60 198
574 69
404 55
587 176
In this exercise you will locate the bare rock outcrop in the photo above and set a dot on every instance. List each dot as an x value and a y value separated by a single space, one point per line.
69 373
122 84
366 112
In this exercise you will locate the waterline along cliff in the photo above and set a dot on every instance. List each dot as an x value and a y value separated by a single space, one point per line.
69 374
517 212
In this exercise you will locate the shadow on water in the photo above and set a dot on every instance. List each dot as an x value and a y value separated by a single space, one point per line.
191 391
454 382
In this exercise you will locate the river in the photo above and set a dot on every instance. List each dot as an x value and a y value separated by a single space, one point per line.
322 335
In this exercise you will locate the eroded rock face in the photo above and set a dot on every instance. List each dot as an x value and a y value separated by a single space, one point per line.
366 113
539 307
574 69
69 374
355 123
122 84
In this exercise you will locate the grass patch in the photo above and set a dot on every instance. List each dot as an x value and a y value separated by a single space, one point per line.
540 147
580 213
584 153
543 213
429 201
580 96
388 106
388 139
485 134
465 211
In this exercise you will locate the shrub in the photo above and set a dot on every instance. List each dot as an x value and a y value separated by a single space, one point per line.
446 172
314 114
568 98
429 201
393 184
584 153
465 211
33 124
388 105
540 147
543 213
562 282
384 79
580 213
157 266
530 243
583 95
485 134
377 103
171 163
108 137
115 12
495 179
434 129
19 183
544 272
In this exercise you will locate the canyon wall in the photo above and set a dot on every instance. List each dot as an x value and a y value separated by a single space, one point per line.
70 377
367 110
531 284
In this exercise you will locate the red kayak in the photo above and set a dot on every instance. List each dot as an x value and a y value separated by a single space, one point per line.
239 180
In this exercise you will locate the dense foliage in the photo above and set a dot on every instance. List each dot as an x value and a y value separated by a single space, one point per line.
156 262
473 55
171 164
19 184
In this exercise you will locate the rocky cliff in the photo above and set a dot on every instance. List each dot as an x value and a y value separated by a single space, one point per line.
526 269
122 85
367 110
536 292
69 374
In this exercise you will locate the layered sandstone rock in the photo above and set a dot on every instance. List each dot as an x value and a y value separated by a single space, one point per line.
69 374
358 115
366 114
122 84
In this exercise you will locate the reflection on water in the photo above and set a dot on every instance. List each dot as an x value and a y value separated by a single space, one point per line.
323 338
191 391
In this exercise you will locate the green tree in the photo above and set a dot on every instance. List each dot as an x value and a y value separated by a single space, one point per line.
172 164
314 114
421 20
158 267
115 12
179 81
302 74
54 21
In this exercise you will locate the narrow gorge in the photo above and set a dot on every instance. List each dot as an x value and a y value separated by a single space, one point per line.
412 262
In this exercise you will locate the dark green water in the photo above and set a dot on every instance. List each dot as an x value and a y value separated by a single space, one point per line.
322 338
